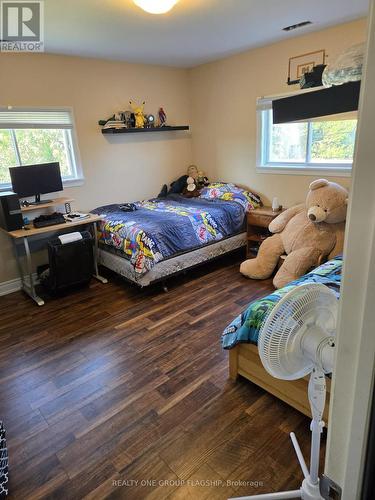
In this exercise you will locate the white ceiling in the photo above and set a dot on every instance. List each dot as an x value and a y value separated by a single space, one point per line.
194 32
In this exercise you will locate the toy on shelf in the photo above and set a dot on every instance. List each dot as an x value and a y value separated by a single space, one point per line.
113 122
140 119
150 121
162 117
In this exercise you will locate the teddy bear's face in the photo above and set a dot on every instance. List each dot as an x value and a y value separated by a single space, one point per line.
326 202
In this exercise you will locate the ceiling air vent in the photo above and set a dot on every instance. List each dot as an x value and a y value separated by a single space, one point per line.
297 26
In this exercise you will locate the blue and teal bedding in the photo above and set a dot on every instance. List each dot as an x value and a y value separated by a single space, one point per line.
245 328
164 227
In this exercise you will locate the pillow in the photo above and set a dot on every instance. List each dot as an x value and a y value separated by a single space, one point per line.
231 192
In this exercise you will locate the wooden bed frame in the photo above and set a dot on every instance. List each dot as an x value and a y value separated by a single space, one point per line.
244 360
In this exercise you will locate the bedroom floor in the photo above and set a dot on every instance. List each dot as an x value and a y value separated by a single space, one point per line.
112 385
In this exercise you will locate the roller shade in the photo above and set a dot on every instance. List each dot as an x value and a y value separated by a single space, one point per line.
324 102
42 119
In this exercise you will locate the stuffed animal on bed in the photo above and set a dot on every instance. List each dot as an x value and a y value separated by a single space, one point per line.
191 189
195 182
176 187
189 185
305 233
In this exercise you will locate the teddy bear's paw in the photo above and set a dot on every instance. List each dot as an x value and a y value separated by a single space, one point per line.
251 269
282 279
279 282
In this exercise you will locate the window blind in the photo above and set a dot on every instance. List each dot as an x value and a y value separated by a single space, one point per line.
42 119
322 102
265 104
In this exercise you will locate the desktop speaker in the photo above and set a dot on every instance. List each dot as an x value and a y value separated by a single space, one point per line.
10 212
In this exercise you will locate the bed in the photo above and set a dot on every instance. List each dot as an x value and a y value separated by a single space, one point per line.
165 236
241 337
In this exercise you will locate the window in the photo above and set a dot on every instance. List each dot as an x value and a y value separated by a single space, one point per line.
29 137
320 145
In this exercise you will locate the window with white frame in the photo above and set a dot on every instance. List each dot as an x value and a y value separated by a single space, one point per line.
322 144
30 136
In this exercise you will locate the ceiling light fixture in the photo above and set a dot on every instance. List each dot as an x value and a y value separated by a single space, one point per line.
156 6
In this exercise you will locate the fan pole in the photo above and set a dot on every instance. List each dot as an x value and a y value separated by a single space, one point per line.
310 485
317 399
297 338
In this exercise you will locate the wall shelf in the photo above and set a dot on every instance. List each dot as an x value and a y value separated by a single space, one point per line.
143 130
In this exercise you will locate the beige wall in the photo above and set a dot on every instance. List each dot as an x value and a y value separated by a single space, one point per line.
217 99
119 169
224 96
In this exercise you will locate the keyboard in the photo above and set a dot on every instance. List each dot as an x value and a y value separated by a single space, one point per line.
49 220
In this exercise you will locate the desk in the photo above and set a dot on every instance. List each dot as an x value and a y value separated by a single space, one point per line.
21 237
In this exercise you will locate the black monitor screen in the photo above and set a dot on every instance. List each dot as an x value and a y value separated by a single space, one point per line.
33 180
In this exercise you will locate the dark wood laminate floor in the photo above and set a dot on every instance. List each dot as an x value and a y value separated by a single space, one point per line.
114 392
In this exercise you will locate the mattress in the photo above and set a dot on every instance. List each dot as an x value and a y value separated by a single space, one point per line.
246 327
171 266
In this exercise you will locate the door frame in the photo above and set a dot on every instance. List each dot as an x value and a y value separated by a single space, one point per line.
353 380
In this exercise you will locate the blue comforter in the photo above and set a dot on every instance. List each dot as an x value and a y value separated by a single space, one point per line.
161 228
246 327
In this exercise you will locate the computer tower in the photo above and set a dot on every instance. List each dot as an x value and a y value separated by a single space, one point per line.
10 211
70 265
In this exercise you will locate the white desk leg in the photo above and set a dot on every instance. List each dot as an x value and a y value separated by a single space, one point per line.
96 253
29 288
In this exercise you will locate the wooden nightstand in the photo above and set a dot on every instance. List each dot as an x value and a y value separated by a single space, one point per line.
258 221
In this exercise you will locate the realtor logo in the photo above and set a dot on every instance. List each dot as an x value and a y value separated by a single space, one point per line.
22 26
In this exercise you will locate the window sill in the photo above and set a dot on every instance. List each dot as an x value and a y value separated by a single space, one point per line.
308 171
67 183
73 182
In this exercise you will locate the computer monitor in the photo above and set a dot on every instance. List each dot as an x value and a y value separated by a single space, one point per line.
34 180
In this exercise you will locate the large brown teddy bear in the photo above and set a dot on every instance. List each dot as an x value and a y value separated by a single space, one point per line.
305 233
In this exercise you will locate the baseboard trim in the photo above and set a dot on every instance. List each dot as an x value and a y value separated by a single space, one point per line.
12 286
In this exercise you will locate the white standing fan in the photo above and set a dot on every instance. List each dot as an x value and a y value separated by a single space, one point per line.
297 338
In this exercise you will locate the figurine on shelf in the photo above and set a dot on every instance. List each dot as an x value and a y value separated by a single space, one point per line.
128 118
138 113
115 122
150 121
162 117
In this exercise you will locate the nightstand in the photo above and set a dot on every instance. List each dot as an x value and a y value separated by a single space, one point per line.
258 221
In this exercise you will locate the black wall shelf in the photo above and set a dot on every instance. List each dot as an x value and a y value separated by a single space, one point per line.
143 130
